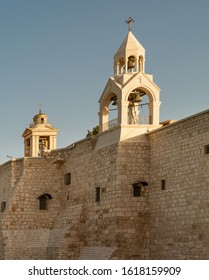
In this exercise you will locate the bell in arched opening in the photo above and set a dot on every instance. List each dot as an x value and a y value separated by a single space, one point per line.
131 63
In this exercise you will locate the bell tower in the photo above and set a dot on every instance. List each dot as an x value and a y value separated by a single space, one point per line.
39 137
130 102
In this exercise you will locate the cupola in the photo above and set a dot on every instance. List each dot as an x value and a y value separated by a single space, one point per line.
39 137
130 57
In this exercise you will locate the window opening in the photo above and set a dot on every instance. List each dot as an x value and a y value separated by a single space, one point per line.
163 184
138 188
67 178
3 206
98 194
137 191
43 201
206 149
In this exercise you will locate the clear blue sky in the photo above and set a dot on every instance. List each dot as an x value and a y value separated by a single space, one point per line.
60 53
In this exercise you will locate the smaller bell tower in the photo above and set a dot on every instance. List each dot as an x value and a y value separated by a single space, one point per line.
39 137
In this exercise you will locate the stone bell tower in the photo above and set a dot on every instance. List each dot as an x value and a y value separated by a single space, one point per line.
130 102
39 137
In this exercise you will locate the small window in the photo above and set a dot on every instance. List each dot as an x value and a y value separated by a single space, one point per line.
3 206
138 188
67 178
98 194
44 201
163 184
206 149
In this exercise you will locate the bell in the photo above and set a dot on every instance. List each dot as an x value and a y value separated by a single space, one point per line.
115 100
131 62
138 98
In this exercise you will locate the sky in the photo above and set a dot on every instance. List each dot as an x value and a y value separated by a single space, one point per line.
59 53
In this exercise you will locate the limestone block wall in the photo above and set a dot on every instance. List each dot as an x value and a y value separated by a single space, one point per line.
77 220
132 166
118 220
5 190
10 172
83 221
179 205
25 227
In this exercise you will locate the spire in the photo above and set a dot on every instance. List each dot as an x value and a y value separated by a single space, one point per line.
130 57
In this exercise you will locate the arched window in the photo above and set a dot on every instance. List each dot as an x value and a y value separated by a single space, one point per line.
131 64
44 201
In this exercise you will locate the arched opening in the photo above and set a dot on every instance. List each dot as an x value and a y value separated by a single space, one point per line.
121 66
67 178
131 64
138 107
139 188
44 201
110 112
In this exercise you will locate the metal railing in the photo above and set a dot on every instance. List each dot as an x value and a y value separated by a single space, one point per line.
143 119
110 124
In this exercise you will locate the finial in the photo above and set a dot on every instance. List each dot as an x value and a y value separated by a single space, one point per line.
129 21
40 105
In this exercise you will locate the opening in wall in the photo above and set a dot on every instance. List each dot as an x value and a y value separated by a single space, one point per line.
44 201
67 178
97 198
138 188
206 149
163 184
3 206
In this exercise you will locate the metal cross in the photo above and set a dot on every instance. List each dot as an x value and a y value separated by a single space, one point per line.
129 21
40 105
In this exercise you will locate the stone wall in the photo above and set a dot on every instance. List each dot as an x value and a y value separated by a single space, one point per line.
179 214
26 228
132 166
75 223
83 221
10 172
168 220
115 220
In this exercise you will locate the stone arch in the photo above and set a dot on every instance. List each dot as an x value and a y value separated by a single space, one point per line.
119 66
133 98
132 63
138 188
107 106
44 201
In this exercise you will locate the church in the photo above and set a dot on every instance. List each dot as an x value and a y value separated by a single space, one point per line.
139 189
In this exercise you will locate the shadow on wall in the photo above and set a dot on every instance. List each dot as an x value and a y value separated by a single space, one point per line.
2 251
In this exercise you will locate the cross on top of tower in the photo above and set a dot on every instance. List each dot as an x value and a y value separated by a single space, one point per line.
40 107
129 21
